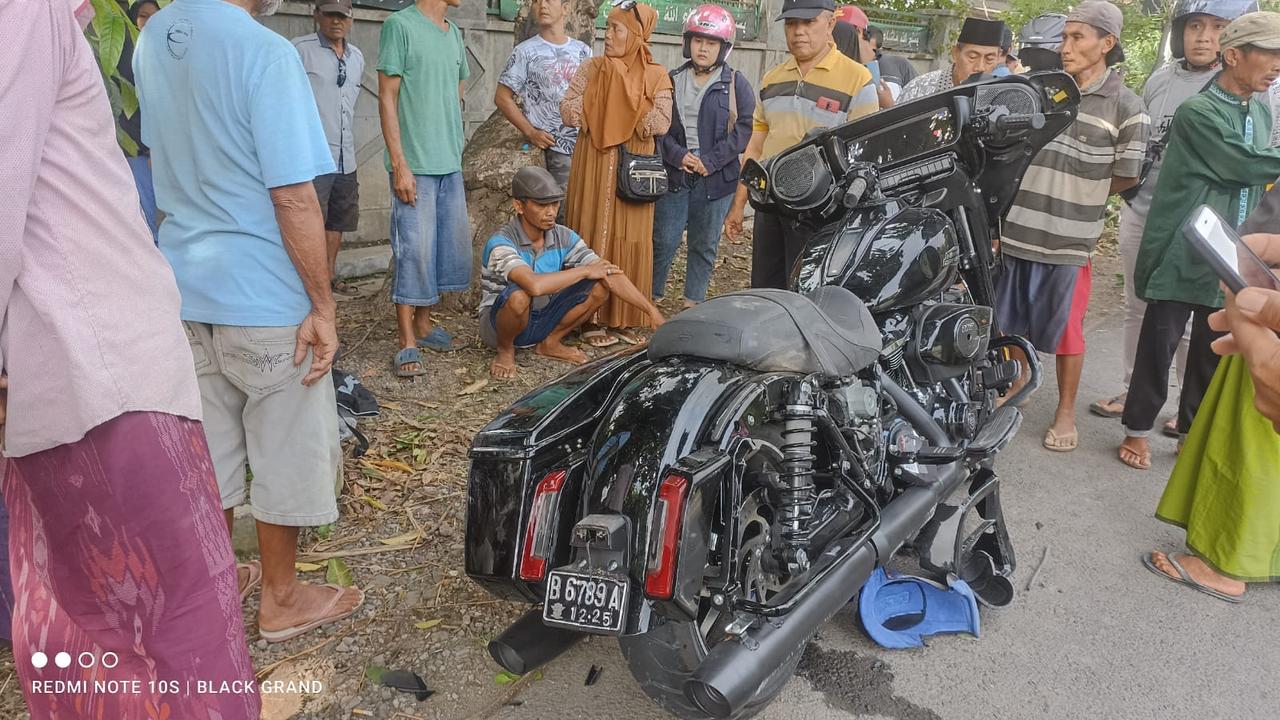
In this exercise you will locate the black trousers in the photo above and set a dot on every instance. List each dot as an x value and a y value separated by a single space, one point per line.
1162 329
776 244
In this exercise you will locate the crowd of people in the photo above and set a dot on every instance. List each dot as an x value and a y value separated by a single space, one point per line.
153 350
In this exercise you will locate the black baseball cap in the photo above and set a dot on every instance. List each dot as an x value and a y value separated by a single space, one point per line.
805 9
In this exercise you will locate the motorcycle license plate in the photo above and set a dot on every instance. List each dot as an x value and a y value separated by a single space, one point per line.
590 602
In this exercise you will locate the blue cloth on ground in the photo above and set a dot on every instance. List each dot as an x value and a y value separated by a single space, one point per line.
899 611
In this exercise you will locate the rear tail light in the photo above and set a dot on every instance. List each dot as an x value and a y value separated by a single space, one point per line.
660 574
540 531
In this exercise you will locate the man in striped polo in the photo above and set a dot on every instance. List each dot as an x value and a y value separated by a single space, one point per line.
1056 218
816 88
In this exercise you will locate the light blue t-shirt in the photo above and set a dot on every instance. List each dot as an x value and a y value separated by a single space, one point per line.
228 114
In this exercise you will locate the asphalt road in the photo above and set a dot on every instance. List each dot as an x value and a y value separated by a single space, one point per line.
1097 636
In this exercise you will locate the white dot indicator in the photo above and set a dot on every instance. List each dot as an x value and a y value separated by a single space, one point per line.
62 660
39 660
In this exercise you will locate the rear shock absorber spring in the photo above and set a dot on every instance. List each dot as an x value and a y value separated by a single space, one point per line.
797 485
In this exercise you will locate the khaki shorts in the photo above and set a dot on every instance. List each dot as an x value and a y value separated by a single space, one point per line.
257 413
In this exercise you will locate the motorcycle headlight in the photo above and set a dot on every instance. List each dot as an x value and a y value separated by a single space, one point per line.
802 179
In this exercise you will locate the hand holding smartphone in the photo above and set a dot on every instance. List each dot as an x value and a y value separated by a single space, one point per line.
1231 259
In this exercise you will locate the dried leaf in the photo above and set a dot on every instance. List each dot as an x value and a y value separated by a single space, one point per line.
373 502
391 465
427 624
474 387
404 539
307 567
371 472
339 574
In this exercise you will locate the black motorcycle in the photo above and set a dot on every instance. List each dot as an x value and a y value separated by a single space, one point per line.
715 497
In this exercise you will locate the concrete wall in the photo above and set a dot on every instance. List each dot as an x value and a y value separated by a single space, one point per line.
489 42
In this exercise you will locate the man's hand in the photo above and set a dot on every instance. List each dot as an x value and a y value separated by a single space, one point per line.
693 164
540 138
406 187
601 270
733 221
1252 320
319 334
655 318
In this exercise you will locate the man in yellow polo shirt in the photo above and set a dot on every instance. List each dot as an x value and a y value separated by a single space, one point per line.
816 88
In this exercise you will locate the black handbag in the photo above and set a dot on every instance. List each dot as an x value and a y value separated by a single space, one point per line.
641 178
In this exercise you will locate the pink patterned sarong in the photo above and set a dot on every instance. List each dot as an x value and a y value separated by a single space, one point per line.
120 556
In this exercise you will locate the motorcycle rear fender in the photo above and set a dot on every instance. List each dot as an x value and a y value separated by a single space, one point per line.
657 427
547 430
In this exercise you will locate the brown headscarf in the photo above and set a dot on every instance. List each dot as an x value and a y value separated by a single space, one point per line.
621 92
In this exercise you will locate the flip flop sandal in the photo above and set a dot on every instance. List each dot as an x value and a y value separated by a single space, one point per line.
405 357
590 337
1170 430
1144 461
342 287
1100 408
438 339
328 615
253 577
1186 579
1064 443
627 337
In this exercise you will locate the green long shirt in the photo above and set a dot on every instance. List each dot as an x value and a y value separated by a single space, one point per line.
1207 162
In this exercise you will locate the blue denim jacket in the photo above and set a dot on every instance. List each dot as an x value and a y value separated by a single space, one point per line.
720 148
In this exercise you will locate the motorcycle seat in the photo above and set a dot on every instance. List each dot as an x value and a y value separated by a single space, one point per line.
829 332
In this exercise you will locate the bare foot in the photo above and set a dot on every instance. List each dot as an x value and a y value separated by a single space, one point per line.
558 351
1136 453
1199 571
503 366
303 603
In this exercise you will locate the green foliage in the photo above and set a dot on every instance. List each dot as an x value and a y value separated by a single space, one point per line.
1142 38
960 7
106 35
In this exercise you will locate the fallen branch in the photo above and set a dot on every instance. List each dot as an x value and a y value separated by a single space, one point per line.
264 672
495 705
321 557
1036 572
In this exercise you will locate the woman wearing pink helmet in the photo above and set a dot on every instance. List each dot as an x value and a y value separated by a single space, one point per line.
710 127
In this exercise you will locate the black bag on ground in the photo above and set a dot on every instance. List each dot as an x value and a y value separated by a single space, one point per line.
641 178
354 402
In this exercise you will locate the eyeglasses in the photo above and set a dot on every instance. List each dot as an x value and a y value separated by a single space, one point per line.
342 72
629 5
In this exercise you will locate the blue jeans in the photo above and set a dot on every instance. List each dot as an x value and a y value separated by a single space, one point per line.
141 167
431 241
544 316
689 208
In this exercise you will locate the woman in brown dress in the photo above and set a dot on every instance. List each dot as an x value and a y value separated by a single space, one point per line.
622 98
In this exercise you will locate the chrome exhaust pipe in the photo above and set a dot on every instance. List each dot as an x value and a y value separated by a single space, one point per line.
528 644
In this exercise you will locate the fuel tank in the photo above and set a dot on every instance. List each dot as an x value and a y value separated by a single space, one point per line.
889 255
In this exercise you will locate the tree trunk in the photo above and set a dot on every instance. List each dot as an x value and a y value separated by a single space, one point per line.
497 150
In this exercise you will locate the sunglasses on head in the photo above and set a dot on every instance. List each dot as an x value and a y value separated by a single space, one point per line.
629 5
334 15
342 72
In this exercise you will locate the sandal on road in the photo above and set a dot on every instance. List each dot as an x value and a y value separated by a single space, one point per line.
1063 443
599 338
328 615
1109 408
409 356
253 577
439 340
1184 577
1170 429
627 336
342 287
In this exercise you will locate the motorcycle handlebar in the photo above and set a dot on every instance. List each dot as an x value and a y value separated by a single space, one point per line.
1014 123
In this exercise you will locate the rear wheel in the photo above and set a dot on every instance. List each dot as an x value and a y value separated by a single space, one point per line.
662 659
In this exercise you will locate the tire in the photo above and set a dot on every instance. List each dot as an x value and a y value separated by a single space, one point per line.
662 659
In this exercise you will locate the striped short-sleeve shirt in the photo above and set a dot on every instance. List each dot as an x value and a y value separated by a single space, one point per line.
510 248
1057 216
834 91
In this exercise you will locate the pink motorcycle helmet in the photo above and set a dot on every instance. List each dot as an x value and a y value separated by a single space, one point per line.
714 22
853 15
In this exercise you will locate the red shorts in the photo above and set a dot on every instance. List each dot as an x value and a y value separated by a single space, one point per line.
1073 336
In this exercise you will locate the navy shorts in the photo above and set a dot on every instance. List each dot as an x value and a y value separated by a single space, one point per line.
544 316
1035 300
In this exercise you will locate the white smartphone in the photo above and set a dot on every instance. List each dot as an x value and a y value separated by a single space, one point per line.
1220 246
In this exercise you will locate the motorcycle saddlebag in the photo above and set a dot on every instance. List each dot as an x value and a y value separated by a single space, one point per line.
547 431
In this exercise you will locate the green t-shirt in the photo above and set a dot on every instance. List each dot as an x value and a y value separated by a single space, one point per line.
430 63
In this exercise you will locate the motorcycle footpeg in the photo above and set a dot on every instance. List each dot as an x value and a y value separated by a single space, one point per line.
997 433
940 455
1001 375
